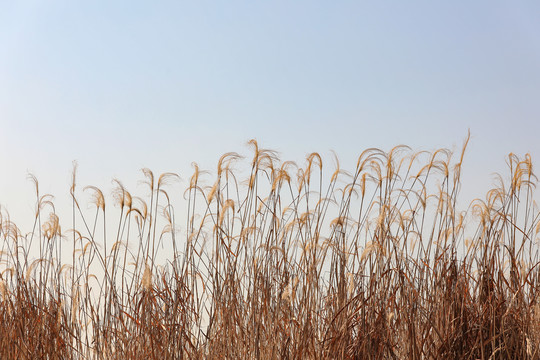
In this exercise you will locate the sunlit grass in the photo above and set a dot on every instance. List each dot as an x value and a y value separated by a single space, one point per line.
281 261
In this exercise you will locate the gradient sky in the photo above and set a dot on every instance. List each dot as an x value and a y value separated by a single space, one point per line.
123 85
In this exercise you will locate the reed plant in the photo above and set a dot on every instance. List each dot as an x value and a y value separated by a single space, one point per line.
281 261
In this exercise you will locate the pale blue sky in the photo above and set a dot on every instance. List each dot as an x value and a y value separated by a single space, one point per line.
129 84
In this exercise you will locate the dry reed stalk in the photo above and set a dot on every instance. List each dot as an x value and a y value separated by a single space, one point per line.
281 262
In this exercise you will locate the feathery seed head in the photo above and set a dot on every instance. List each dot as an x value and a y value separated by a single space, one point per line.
147 278
97 197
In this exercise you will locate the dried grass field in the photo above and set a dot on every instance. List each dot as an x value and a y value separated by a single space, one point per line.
280 261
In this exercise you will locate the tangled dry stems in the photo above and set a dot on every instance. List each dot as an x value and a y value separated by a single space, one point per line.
288 263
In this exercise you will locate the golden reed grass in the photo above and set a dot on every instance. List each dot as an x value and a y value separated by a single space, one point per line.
281 262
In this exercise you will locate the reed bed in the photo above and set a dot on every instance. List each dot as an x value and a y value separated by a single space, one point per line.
280 261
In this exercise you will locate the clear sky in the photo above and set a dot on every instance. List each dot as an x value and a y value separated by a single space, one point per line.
121 85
